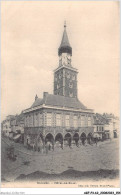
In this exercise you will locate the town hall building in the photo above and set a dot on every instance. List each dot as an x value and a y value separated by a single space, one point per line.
59 117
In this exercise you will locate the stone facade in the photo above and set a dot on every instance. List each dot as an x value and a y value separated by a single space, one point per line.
65 82
54 121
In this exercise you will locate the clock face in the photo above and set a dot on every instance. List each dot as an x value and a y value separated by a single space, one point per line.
64 59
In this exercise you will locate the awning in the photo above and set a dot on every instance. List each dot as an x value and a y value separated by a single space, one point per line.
96 135
17 137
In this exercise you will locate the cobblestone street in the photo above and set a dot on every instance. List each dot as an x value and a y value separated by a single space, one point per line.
86 158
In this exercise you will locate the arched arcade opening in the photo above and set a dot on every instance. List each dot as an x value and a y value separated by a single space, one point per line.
76 138
59 140
68 139
49 138
83 138
89 138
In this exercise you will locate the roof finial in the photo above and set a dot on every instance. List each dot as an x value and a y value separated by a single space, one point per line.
65 24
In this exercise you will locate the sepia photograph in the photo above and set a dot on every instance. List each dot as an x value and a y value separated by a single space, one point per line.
60 98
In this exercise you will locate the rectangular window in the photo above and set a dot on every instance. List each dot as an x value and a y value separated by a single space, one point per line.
83 121
67 122
30 120
89 121
27 121
58 120
75 121
49 119
40 119
36 120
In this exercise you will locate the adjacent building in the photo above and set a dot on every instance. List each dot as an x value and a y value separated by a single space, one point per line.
13 127
106 126
6 125
112 127
99 126
17 124
17 127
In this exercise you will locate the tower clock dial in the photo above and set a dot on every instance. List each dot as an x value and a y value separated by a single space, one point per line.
64 59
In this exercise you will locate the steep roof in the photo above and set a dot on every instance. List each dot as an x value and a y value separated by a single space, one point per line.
100 119
65 41
65 45
20 117
37 102
59 101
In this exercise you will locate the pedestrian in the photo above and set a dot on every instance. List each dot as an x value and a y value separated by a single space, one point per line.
62 145
46 147
49 147
96 140
53 146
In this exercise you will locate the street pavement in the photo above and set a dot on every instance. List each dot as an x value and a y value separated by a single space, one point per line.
85 158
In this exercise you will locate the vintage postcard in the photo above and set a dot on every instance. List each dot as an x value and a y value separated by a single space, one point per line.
60 94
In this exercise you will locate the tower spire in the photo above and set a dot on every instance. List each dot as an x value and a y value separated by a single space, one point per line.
65 24
65 45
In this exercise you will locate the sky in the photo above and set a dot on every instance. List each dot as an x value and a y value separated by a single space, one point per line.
31 33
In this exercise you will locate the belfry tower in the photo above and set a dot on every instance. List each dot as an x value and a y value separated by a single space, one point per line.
65 76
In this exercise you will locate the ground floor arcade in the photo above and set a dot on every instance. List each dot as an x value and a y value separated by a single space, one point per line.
37 138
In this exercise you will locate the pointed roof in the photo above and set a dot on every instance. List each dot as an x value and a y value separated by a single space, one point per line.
65 41
100 119
65 45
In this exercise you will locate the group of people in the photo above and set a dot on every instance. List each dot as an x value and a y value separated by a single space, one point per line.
50 146
84 141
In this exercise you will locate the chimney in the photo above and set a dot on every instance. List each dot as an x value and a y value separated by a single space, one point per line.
36 97
45 95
